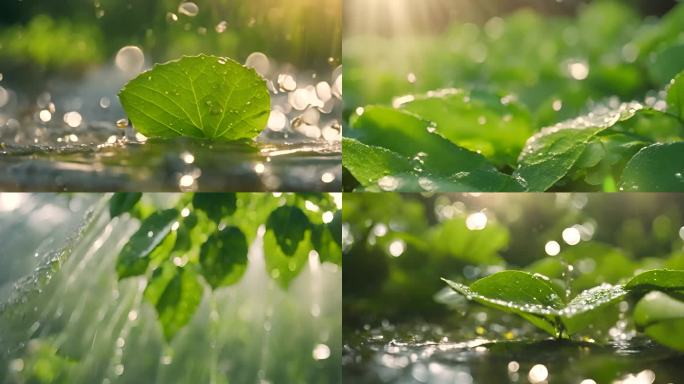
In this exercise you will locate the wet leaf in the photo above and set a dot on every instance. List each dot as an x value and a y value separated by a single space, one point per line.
662 318
205 97
549 155
538 300
223 257
675 96
175 292
411 137
216 205
289 225
136 254
123 202
477 121
657 168
658 279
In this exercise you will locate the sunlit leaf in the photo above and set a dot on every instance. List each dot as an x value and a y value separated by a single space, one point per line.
675 96
284 268
662 318
659 279
200 96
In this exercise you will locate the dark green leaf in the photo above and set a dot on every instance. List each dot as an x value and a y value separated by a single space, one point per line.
200 96
175 292
666 63
335 227
323 242
289 225
123 202
137 253
657 168
223 257
215 205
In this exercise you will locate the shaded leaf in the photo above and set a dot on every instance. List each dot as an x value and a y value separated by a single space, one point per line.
675 96
198 96
215 205
656 168
322 240
123 202
288 224
136 254
223 257
662 318
175 292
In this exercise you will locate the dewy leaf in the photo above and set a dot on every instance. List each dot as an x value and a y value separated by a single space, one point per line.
657 279
477 121
549 155
136 254
414 138
175 292
215 205
205 97
123 202
675 96
289 225
539 301
662 318
656 168
379 169
223 257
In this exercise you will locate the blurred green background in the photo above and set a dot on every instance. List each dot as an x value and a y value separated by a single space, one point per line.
531 49
397 246
71 35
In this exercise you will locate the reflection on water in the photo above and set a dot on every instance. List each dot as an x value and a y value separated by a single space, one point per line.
431 354
80 325
66 133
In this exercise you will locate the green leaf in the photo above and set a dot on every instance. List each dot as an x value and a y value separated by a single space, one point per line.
658 279
662 318
549 155
539 301
223 257
656 168
289 224
175 292
666 63
123 202
379 169
335 227
414 138
322 240
284 268
675 96
199 96
454 239
215 205
137 253
477 121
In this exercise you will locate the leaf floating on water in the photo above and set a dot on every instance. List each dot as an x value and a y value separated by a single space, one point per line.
204 97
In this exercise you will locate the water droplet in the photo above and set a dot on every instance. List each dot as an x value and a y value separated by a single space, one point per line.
188 8
221 26
130 59
122 123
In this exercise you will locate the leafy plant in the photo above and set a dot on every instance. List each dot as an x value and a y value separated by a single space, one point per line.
380 151
205 97
537 299
203 242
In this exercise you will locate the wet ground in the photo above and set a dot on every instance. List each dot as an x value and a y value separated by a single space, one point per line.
69 133
429 354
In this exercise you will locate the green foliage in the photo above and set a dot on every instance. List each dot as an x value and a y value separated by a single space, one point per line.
538 300
656 168
123 202
205 238
525 78
288 224
204 97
